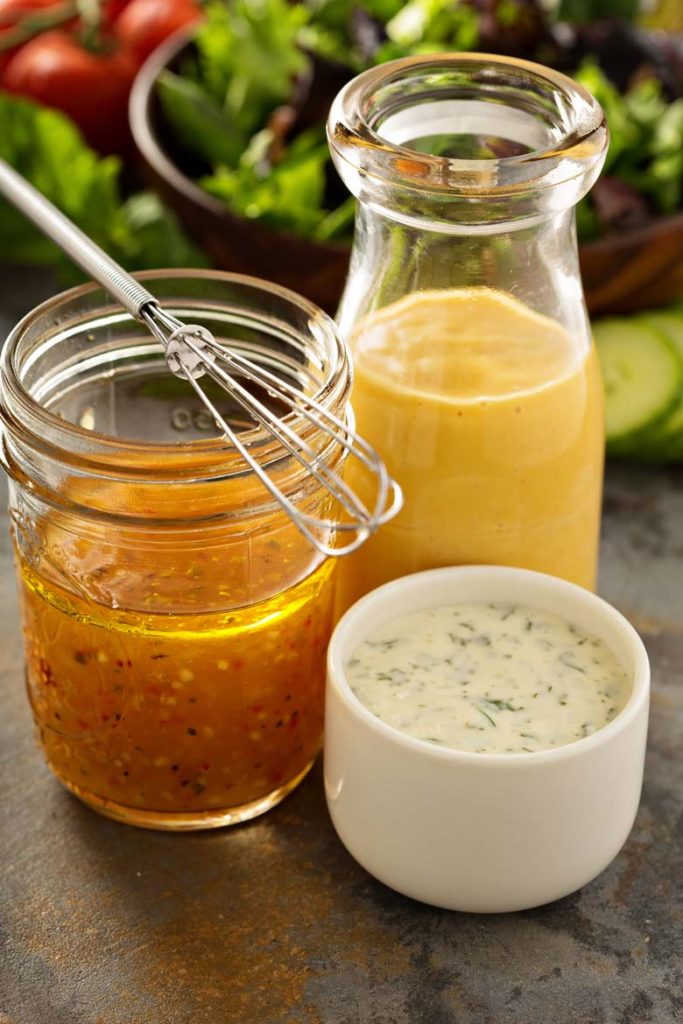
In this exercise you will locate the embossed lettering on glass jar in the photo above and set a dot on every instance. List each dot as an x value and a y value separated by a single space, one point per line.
175 620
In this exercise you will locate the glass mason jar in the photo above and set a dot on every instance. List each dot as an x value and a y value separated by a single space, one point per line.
175 620
474 372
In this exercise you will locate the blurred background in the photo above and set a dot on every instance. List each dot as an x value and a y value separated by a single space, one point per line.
221 160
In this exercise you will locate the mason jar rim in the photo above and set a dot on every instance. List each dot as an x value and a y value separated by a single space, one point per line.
20 411
356 141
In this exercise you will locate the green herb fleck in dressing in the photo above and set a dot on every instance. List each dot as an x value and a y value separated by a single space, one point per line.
488 678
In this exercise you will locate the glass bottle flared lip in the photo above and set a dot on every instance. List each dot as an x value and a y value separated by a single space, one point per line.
46 432
580 143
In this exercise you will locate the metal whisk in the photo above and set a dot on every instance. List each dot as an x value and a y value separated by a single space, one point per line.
191 352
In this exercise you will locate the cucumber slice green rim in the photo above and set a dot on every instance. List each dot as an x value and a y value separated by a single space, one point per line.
642 373
665 440
667 322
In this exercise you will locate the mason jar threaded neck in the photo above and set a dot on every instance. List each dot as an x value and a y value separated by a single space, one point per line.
514 141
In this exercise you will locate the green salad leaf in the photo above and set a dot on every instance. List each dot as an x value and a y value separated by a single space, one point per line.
248 57
47 149
288 194
666 169
646 143
339 223
330 15
327 31
200 123
432 25
148 236
585 11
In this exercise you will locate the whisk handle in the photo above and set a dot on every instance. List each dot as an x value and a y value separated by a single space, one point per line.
64 233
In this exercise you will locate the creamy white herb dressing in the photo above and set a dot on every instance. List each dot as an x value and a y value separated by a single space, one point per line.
488 678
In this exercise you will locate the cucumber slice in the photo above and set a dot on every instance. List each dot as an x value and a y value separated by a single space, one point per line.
643 375
664 441
667 322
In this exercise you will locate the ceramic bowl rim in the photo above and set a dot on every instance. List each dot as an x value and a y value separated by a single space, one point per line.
634 653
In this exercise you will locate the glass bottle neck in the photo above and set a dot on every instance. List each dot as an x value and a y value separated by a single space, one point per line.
537 264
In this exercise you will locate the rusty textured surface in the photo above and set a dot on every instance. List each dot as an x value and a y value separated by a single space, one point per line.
273 921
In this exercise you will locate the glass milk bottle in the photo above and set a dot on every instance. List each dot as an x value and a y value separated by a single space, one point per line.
475 373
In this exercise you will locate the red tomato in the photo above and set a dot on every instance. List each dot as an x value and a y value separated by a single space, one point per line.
12 12
146 23
112 10
91 88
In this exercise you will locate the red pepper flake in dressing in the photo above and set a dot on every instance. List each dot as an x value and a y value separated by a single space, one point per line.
239 673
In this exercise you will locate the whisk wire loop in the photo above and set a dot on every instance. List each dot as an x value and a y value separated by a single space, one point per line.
283 501
192 352
289 439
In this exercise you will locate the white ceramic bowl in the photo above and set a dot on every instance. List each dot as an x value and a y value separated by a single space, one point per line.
482 832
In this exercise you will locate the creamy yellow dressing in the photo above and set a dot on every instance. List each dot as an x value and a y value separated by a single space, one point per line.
489 678
490 418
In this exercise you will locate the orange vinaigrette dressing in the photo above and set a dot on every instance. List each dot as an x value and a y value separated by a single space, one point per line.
152 715
490 417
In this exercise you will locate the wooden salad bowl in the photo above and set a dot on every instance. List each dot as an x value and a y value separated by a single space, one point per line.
637 270
632 271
